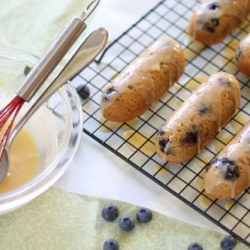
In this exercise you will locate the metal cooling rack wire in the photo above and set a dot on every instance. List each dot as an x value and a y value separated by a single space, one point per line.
180 181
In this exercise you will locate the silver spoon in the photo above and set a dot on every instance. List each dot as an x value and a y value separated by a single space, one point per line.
86 53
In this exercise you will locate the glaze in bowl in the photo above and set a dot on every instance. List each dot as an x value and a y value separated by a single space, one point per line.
56 128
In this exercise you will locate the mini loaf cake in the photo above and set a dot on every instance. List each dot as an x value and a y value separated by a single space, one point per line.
228 174
216 19
144 81
194 124
242 56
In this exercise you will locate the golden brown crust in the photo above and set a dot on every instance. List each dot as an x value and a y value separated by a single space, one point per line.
199 118
242 56
144 81
225 190
215 20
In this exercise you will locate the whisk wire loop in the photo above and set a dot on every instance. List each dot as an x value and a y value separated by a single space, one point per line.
7 111
10 110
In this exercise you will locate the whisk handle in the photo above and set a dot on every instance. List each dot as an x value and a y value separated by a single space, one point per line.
51 58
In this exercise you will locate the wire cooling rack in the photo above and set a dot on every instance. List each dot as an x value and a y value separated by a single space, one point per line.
134 141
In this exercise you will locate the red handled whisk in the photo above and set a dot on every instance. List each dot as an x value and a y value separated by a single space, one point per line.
10 109
42 70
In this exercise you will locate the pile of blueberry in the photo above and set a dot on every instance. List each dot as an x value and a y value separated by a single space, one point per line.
144 215
125 222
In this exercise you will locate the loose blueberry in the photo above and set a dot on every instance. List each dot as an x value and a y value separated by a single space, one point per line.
27 69
110 212
83 91
195 246
144 215
126 223
228 243
111 244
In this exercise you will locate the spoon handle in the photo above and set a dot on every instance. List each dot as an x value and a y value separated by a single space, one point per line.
85 54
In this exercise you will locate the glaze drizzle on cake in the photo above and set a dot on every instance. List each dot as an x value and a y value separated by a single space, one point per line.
216 19
144 81
194 124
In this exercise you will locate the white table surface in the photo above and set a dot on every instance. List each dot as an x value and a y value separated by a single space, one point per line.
97 172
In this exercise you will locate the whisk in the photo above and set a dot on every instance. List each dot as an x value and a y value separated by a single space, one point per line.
42 70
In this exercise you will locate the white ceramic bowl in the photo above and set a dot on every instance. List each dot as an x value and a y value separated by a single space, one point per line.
56 127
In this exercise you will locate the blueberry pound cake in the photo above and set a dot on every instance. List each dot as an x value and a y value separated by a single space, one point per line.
228 174
216 19
242 56
194 124
144 81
